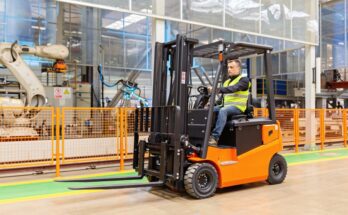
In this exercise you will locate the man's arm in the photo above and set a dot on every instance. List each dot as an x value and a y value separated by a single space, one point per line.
242 85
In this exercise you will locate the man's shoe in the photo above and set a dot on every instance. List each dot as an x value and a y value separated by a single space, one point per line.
212 141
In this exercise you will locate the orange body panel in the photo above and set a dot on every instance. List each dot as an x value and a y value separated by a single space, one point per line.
249 167
270 133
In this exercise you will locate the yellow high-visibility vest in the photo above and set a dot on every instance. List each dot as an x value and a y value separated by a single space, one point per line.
238 99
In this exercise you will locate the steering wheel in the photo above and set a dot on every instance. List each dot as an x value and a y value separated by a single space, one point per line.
202 90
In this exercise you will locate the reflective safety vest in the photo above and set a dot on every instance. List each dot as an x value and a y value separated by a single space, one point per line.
238 99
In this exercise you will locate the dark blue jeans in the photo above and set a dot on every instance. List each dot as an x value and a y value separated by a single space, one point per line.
222 114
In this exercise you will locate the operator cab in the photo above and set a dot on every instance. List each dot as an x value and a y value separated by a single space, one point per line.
241 131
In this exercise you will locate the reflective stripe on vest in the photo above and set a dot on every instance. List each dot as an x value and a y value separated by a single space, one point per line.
238 99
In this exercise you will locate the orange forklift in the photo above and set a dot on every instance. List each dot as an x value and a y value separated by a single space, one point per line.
177 149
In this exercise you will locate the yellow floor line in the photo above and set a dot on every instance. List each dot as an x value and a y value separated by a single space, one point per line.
317 161
40 197
71 177
310 152
47 196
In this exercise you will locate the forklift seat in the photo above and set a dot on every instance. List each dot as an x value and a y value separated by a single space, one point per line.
235 117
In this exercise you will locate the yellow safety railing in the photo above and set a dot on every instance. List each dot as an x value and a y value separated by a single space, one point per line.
288 126
95 135
26 137
35 137
304 126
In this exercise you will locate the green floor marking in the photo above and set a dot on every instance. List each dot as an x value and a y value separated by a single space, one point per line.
316 156
37 189
45 188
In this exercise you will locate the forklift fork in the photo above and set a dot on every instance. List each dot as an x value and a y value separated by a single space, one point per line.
140 164
115 186
102 179
119 186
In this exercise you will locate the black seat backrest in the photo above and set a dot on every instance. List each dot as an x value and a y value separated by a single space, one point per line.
249 111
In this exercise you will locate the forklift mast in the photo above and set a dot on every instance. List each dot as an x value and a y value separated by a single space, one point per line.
169 113
175 57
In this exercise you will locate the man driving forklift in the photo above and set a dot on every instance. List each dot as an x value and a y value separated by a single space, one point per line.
176 153
235 102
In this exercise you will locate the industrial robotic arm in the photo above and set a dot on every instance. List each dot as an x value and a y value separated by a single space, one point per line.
10 57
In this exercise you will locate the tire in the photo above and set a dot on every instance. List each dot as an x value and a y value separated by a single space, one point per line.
201 180
277 170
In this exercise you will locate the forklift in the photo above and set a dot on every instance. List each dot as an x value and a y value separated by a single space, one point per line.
177 153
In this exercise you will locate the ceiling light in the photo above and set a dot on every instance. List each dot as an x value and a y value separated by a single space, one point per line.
38 27
126 21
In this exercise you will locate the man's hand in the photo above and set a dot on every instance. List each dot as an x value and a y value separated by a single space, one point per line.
210 89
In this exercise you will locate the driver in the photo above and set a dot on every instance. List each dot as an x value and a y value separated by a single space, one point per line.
235 92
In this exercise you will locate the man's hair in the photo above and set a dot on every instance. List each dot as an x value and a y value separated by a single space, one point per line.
238 62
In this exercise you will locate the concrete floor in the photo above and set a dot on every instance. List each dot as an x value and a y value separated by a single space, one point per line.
317 188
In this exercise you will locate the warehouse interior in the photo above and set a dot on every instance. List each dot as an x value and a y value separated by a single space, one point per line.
97 90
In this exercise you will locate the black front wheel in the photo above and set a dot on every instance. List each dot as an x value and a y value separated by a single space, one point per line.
278 169
201 180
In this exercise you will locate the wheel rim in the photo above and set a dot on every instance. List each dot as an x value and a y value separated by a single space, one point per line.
277 169
204 181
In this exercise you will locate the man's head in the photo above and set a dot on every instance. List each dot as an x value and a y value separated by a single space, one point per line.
234 67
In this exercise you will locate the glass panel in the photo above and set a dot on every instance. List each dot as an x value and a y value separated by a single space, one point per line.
209 12
302 62
136 53
172 8
276 18
145 84
149 56
132 23
304 20
277 45
138 26
333 35
259 67
221 35
2 7
292 45
275 64
2 20
202 34
292 62
72 30
113 51
243 37
283 62
112 20
23 32
174 28
243 15
19 23
144 6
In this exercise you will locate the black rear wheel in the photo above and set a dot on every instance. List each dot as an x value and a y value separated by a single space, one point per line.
277 169
201 180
